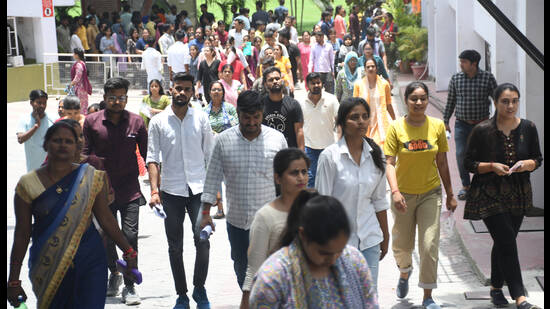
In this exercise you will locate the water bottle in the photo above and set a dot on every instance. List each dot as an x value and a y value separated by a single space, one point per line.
135 275
448 134
205 233
21 303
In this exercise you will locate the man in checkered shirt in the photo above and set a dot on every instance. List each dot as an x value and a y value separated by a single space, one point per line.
469 93
243 156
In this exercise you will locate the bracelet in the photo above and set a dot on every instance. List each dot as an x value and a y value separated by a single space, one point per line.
154 192
129 251
206 212
130 254
14 283
393 191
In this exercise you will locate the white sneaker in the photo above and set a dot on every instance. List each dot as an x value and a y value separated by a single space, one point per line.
129 296
115 280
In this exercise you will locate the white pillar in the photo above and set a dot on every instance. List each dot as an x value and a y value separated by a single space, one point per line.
445 55
533 93
45 39
466 37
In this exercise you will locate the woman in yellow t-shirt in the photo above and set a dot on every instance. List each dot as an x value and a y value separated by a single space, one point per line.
283 63
420 144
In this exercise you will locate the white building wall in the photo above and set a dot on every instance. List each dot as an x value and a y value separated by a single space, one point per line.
534 88
444 57
43 38
469 25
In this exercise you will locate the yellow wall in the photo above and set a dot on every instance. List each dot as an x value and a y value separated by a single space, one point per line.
21 80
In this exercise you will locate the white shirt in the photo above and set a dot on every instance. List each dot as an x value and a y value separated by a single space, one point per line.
178 57
185 147
238 36
247 167
76 43
360 188
152 64
319 121
321 58
165 41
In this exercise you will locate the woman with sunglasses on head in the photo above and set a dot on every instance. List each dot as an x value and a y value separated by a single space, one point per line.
502 152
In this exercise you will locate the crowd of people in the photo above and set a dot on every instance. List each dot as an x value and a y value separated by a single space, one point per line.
306 183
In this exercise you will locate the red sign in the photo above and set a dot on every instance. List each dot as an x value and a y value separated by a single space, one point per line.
47 8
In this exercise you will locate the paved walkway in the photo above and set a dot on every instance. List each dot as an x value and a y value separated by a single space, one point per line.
455 274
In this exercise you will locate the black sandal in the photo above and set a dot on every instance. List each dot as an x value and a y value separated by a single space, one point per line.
526 305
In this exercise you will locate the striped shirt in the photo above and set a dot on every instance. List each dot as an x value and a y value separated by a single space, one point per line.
470 96
247 167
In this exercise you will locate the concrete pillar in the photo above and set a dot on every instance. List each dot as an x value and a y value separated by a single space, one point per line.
45 39
466 37
506 55
445 55
534 88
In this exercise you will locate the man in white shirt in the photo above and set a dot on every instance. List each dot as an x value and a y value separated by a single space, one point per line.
151 62
32 129
184 138
166 39
320 111
237 33
243 155
178 55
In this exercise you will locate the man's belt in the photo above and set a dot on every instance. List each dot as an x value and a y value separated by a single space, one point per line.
473 122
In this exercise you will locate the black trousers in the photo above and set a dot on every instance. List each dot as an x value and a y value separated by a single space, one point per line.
504 229
175 208
129 218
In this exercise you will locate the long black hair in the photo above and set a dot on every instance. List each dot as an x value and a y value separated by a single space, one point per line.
322 217
81 57
345 108
284 157
161 89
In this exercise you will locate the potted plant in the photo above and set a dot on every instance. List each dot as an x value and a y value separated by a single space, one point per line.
413 46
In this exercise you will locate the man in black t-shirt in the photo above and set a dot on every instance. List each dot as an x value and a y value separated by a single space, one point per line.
282 112
293 53
206 18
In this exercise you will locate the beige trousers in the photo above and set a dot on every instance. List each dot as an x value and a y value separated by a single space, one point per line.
422 210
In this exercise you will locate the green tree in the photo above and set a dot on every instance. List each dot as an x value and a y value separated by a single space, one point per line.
362 4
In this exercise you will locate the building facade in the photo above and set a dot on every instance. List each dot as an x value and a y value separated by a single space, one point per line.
456 25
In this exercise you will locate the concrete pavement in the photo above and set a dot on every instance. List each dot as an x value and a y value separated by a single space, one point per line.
455 274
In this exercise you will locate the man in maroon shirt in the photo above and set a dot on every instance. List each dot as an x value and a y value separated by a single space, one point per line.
112 134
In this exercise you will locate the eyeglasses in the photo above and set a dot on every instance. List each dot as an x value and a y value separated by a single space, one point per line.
114 98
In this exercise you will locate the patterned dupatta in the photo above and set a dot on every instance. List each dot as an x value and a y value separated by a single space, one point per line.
307 295
66 210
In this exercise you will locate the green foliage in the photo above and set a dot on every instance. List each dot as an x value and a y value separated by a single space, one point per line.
362 4
225 7
413 43
400 16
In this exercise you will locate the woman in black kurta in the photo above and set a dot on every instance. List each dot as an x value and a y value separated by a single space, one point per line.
502 152
208 71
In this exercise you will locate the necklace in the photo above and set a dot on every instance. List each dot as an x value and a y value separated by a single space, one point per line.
59 189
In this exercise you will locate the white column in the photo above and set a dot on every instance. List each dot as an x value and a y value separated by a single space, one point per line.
533 93
445 54
45 39
466 37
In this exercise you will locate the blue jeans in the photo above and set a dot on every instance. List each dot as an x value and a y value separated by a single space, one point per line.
462 131
238 239
313 155
372 255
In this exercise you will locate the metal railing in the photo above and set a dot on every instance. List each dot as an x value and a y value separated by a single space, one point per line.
57 75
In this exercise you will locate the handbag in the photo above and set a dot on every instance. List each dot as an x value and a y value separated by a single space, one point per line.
70 90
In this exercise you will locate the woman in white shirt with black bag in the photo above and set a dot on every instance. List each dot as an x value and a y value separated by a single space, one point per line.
353 171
